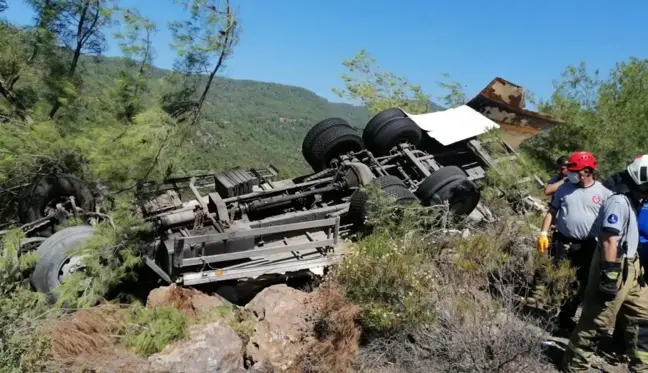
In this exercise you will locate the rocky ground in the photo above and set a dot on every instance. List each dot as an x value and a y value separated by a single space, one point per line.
280 330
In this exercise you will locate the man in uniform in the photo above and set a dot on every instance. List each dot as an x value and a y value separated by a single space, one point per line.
559 179
574 209
616 280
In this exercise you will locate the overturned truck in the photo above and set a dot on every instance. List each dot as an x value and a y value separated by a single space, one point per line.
243 224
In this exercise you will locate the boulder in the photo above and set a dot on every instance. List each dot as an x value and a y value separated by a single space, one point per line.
211 348
284 329
189 301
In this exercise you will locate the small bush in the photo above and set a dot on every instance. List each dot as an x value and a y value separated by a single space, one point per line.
96 331
22 312
388 272
473 333
432 296
149 330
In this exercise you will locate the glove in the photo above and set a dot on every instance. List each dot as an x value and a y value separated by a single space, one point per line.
543 242
610 272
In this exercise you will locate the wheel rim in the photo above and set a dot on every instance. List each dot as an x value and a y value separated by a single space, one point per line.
50 207
339 150
464 201
71 265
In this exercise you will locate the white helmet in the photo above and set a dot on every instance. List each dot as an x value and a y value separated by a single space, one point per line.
638 169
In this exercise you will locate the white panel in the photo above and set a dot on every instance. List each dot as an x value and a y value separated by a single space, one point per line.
453 125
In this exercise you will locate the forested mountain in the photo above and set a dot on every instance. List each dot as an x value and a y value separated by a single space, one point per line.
247 123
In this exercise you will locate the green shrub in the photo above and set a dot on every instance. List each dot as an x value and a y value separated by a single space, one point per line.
22 312
147 331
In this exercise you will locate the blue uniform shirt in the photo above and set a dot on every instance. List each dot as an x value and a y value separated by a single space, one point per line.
642 220
554 180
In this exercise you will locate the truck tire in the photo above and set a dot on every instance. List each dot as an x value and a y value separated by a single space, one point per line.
54 258
450 184
385 181
379 120
317 130
437 180
462 196
45 191
330 144
391 186
393 132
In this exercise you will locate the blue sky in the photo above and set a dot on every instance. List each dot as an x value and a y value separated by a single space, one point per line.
303 43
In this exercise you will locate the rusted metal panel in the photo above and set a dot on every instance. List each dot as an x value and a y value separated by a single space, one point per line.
504 91
504 103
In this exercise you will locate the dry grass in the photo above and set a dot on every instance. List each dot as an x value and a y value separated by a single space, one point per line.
336 331
473 333
87 331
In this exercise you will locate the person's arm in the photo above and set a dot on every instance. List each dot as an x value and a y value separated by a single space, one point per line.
609 241
614 215
552 188
548 220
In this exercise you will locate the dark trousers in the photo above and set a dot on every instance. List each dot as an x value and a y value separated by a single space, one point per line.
579 254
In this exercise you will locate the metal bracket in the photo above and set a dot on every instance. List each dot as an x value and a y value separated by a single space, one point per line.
220 207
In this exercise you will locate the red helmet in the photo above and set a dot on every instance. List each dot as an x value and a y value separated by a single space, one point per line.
580 160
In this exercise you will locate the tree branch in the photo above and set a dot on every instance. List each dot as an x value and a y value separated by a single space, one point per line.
227 44
14 100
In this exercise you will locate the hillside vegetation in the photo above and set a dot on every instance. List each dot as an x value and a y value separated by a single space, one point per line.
117 121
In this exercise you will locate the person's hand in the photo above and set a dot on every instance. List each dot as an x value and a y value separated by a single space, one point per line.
610 272
543 242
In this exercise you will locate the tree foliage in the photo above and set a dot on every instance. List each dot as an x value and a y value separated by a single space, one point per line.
604 116
378 90
455 94
136 44
203 43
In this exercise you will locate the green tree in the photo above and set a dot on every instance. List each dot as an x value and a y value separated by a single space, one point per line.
135 42
13 56
203 43
455 96
378 90
77 25
604 116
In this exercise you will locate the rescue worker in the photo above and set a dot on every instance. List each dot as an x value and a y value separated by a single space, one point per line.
574 209
618 339
559 179
616 280
642 224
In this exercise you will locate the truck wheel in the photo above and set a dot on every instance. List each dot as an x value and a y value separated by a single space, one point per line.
450 184
317 130
332 143
391 186
391 133
55 263
462 196
49 190
437 180
379 120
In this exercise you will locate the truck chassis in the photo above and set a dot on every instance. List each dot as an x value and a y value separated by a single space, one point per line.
248 224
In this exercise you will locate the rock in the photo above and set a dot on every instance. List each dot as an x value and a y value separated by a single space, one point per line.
211 348
189 301
284 329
